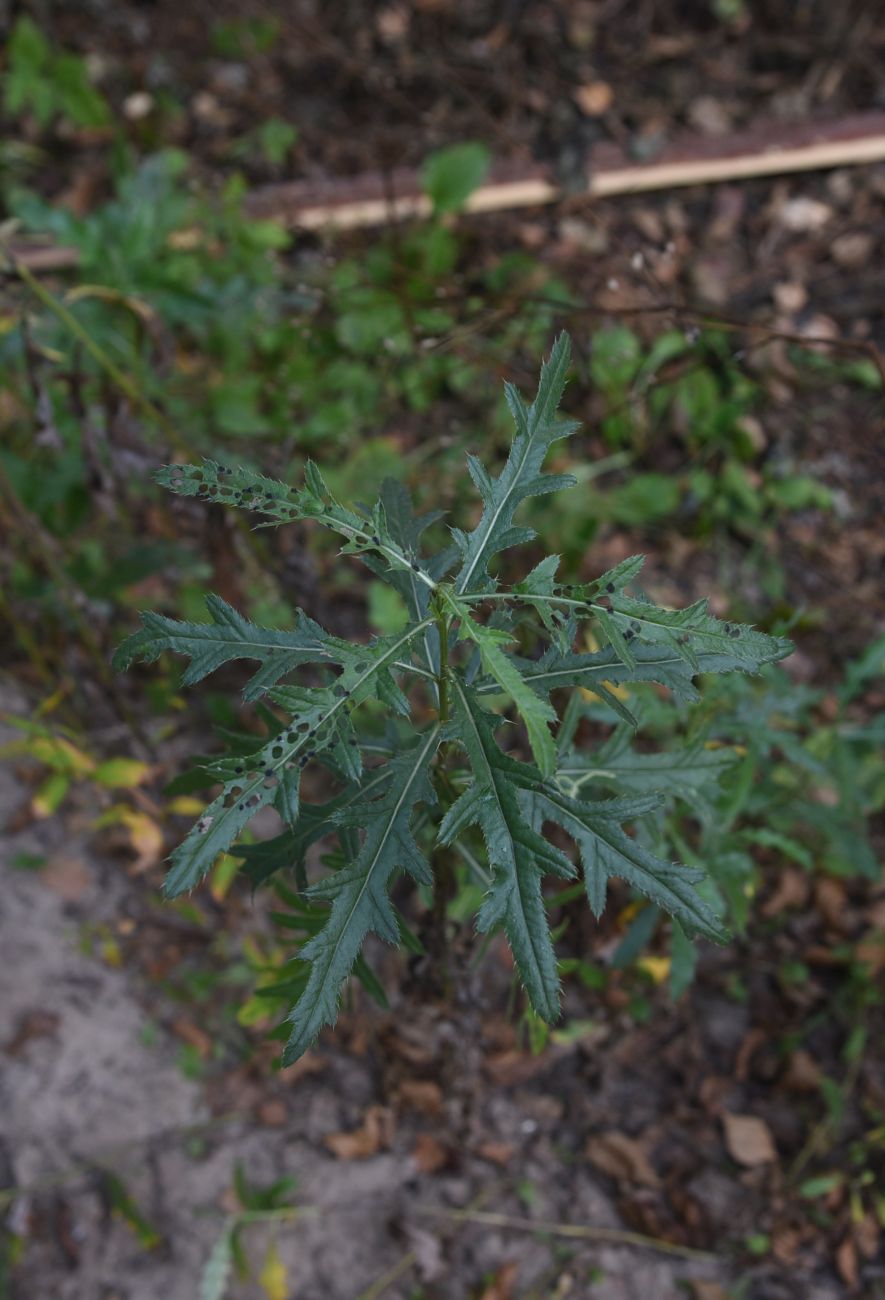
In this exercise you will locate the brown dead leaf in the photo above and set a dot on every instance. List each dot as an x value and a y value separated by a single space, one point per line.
192 1034
421 1094
802 1073
830 899
273 1113
792 890
511 1067
785 1244
622 1157
409 1047
748 1140
70 878
752 1041
309 1063
594 98
376 1132
499 1153
846 1264
430 1154
501 1285
871 951
708 1291
392 23
31 1025
867 1235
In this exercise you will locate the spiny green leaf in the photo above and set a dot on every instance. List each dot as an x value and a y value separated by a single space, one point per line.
652 663
315 821
607 850
229 636
359 896
518 855
365 534
535 713
521 477
688 632
272 773
406 530
681 773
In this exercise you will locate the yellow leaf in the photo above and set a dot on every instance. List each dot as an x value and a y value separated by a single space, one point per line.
657 967
145 835
51 703
590 696
111 954
146 838
626 914
137 306
187 805
60 754
121 773
47 799
273 1275
614 689
741 750
222 876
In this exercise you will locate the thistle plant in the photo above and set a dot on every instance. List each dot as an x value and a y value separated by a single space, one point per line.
473 753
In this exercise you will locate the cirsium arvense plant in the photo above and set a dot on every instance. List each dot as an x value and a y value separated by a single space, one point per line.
452 682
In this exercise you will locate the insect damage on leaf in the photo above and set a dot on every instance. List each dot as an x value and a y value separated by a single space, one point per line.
491 769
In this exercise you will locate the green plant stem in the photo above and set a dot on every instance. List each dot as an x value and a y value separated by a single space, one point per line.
47 548
579 1231
443 676
443 873
123 381
380 1285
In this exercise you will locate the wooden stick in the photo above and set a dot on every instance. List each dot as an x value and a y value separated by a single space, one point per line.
768 150
373 199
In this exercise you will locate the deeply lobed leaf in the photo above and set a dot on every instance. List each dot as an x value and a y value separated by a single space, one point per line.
359 892
536 429
518 855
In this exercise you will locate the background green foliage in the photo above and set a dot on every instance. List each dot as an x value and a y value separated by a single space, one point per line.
244 342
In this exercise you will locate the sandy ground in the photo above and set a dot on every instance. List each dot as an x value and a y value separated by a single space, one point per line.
85 1088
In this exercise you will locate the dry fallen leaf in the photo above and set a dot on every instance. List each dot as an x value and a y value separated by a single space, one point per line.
430 1154
309 1063
594 98
31 1024
190 1033
802 1073
846 1264
498 1153
422 1094
501 1285
70 878
830 899
708 1291
792 891
748 1140
867 1235
621 1157
273 1113
376 1132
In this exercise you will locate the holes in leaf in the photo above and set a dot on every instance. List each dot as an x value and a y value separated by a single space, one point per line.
277 751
